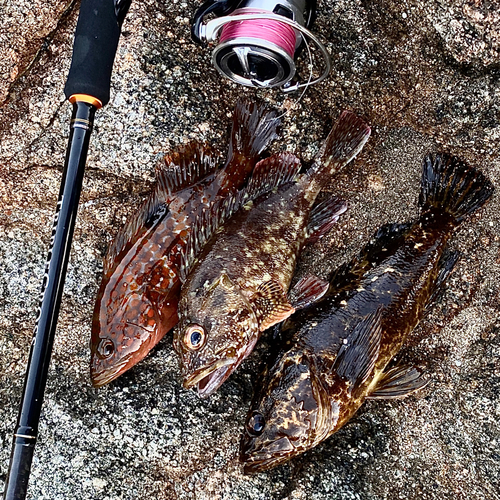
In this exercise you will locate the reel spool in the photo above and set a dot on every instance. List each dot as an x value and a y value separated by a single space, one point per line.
258 41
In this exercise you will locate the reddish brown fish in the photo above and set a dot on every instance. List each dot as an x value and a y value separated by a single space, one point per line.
137 300
239 286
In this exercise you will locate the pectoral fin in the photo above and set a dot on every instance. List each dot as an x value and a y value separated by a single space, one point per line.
359 352
307 291
271 304
398 382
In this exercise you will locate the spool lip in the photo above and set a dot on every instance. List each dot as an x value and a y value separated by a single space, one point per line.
257 47
210 31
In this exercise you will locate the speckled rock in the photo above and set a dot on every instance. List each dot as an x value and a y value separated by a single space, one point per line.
426 76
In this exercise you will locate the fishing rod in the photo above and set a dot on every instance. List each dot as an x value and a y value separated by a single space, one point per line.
87 88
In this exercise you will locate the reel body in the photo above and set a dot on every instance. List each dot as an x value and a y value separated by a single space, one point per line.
258 40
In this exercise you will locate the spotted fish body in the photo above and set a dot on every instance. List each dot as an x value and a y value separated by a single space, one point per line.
238 287
340 347
138 297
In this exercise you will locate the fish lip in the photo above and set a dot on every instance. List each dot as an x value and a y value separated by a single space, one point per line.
221 366
108 375
253 464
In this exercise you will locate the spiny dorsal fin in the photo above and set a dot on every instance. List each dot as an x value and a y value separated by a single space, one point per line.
359 352
382 245
182 168
271 173
324 216
203 229
450 185
254 127
307 291
271 304
398 382
185 167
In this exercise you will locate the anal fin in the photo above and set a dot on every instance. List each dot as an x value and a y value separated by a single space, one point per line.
324 216
308 290
399 382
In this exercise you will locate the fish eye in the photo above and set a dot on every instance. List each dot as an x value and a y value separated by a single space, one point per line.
106 348
194 338
256 424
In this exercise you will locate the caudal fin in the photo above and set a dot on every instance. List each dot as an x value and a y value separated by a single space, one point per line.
254 127
346 139
451 185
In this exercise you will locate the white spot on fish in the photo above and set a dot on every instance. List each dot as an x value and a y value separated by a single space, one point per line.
418 245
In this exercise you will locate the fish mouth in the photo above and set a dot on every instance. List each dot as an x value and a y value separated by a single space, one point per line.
100 378
209 379
260 461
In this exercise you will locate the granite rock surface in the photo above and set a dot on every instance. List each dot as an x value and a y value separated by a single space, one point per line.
426 75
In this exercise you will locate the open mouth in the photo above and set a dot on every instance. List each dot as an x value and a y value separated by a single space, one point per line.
208 380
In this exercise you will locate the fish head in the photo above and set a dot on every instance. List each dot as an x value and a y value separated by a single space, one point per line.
287 415
217 330
125 327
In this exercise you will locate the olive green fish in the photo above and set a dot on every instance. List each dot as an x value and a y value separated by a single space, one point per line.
341 346
239 285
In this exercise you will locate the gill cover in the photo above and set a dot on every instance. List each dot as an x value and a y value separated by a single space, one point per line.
229 325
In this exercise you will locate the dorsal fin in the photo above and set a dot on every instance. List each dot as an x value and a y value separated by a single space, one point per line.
183 168
382 245
254 127
271 173
203 229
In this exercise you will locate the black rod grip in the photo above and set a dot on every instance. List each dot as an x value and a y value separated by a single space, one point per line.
94 49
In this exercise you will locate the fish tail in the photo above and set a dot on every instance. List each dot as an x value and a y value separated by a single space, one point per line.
254 127
451 185
346 139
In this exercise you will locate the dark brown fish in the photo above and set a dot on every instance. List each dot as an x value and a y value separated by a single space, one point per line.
341 346
239 286
137 300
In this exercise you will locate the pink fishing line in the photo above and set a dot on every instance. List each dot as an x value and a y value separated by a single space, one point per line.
280 34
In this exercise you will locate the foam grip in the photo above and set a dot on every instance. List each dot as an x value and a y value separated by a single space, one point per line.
94 49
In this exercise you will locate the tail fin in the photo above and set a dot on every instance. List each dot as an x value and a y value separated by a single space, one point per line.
346 139
453 186
254 127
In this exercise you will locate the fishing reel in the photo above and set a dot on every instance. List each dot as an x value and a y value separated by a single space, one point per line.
258 41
